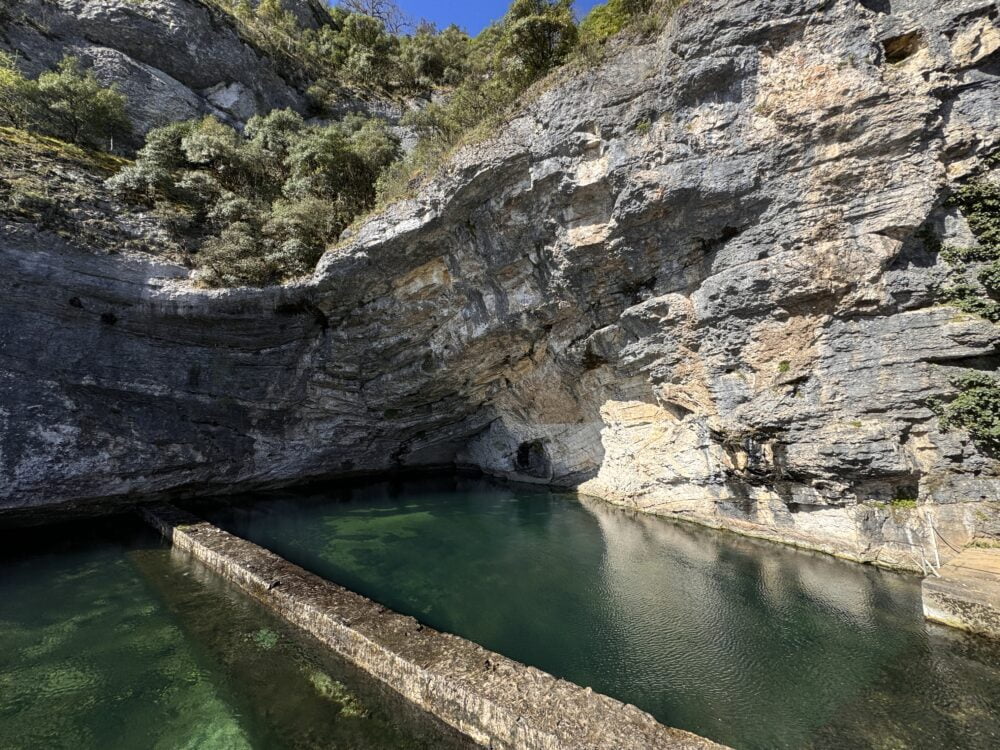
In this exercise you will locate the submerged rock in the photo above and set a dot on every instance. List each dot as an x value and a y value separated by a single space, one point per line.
691 280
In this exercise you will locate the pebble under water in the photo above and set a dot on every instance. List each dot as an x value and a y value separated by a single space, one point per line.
108 640
752 644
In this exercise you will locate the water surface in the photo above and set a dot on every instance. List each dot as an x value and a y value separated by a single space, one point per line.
108 640
753 644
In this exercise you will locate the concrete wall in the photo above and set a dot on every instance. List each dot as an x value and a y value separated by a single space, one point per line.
494 700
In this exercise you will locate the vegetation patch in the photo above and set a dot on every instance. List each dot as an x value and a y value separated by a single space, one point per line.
59 187
505 63
68 103
339 694
260 206
976 269
970 299
358 48
265 639
615 16
976 288
532 39
979 202
976 409
15 142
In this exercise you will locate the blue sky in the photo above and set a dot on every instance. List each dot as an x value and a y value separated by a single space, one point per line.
472 15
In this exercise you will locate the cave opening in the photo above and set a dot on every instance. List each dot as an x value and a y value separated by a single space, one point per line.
532 459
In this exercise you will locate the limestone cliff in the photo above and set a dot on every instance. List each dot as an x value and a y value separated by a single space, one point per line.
173 59
693 280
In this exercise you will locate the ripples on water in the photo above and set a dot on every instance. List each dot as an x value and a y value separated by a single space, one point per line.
753 644
108 645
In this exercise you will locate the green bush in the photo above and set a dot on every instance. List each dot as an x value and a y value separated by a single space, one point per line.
16 95
979 202
268 201
606 20
535 37
989 277
976 254
975 409
67 103
970 299
430 58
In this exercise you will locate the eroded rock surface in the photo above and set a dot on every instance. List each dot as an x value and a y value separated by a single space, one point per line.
691 281
173 59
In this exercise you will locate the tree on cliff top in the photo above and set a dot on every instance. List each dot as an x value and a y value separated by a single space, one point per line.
386 11
538 34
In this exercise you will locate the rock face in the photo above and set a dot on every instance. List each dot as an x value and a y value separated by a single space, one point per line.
173 59
690 281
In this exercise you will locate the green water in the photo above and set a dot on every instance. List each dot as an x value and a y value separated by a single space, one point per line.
107 643
753 644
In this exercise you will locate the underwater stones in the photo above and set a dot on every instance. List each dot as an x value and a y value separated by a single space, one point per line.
494 700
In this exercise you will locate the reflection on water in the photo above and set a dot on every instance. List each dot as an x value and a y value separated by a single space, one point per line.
753 644
109 645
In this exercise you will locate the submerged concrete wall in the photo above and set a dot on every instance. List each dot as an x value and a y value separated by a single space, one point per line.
966 595
496 701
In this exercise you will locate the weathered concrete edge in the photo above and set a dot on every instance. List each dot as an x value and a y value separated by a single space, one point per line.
495 701
961 613
947 603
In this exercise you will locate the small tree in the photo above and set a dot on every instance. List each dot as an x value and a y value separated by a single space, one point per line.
539 34
15 94
70 103
386 11
429 57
